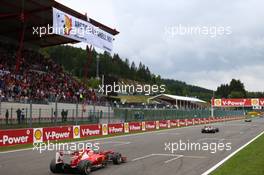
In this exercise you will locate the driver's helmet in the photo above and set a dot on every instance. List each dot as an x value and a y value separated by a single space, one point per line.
89 151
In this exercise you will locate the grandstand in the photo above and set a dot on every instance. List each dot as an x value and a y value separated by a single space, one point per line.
28 76
179 102
25 73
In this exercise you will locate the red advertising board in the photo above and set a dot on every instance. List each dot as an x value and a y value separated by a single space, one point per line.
206 120
163 124
196 121
115 128
150 125
189 122
261 101
57 133
174 123
17 136
182 122
202 121
238 102
135 126
90 130
211 119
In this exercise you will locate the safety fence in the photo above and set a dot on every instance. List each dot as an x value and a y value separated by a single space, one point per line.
43 117
129 114
44 134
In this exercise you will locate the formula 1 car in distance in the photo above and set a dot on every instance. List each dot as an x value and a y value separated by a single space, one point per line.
84 161
209 129
248 120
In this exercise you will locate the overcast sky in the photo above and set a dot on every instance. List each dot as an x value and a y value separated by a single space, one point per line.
197 59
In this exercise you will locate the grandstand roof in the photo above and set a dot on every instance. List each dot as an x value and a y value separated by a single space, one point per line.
176 97
37 13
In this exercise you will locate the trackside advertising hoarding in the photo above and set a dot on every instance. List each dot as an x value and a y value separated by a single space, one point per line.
16 137
38 135
135 126
238 102
90 130
80 30
150 125
163 124
115 128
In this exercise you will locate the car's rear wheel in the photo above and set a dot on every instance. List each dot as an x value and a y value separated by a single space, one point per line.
85 167
55 168
117 158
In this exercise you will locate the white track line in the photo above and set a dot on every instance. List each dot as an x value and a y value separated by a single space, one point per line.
231 155
143 157
170 160
176 156
219 139
167 133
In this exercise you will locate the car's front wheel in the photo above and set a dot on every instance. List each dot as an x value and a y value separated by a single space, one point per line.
55 168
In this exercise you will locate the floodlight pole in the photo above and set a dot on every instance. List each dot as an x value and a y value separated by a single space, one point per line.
89 61
212 107
21 39
97 67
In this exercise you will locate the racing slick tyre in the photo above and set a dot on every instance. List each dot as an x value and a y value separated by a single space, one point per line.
117 158
84 167
55 168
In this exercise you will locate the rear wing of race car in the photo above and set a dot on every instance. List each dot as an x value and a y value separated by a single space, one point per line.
63 156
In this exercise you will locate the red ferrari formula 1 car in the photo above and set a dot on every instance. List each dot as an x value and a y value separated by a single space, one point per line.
84 161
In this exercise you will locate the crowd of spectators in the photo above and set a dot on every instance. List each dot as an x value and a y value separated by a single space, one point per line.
38 79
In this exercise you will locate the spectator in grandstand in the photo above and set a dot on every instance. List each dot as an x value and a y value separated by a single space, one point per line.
38 79
7 116
23 115
62 115
101 114
66 115
18 115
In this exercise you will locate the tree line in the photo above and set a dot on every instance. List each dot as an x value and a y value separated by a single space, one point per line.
236 89
73 59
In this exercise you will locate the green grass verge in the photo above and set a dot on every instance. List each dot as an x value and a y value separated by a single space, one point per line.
248 161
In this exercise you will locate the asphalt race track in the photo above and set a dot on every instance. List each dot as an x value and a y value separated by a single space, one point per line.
146 152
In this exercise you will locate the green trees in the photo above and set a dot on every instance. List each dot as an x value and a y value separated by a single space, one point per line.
73 60
235 89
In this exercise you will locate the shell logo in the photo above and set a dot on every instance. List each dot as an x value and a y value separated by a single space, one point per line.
157 124
104 129
143 126
38 135
76 131
255 102
68 25
217 102
126 127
